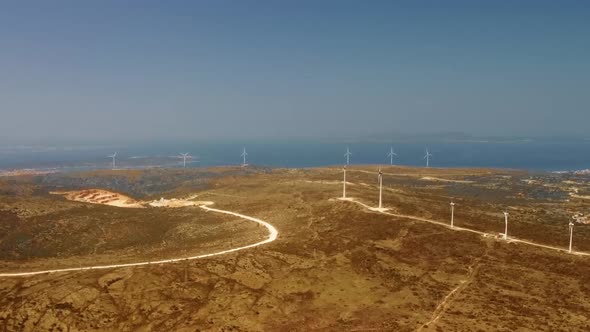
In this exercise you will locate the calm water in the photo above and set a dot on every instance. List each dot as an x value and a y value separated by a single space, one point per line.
549 156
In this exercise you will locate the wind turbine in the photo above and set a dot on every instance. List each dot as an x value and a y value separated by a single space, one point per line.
243 155
427 157
380 189
390 155
452 214
506 225
114 155
344 183
184 157
571 235
347 155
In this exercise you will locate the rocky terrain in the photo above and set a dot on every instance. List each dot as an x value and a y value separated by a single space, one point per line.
336 266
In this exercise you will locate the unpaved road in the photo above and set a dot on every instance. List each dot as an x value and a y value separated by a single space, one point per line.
446 301
273 233
510 239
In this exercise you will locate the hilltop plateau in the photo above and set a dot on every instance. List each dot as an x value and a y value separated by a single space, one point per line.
336 265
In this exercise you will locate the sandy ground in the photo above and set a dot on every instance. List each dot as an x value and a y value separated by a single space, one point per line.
99 196
430 178
177 203
105 197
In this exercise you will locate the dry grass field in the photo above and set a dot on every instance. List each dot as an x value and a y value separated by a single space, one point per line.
335 266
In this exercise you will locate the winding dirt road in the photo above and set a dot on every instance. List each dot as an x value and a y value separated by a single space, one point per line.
462 229
273 233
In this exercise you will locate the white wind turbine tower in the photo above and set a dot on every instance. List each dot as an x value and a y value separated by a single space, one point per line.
347 155
427 157
390 155
506 225
380 189
184 157
114 155
452 214
243 155
344 183
571 235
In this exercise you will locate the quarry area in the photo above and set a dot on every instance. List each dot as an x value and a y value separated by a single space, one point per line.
105 197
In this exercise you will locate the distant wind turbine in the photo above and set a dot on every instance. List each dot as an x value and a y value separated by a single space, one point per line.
380 188
184 156
344 183
114 156
452 214
427 157
391 154
243 155
571 235
347 155
506 225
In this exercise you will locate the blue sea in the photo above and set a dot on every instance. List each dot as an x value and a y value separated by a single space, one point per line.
530 155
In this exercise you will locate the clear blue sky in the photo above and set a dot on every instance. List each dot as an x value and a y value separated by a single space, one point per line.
98 70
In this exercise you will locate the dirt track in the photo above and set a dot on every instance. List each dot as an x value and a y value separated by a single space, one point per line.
510 239
273 233
337 266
